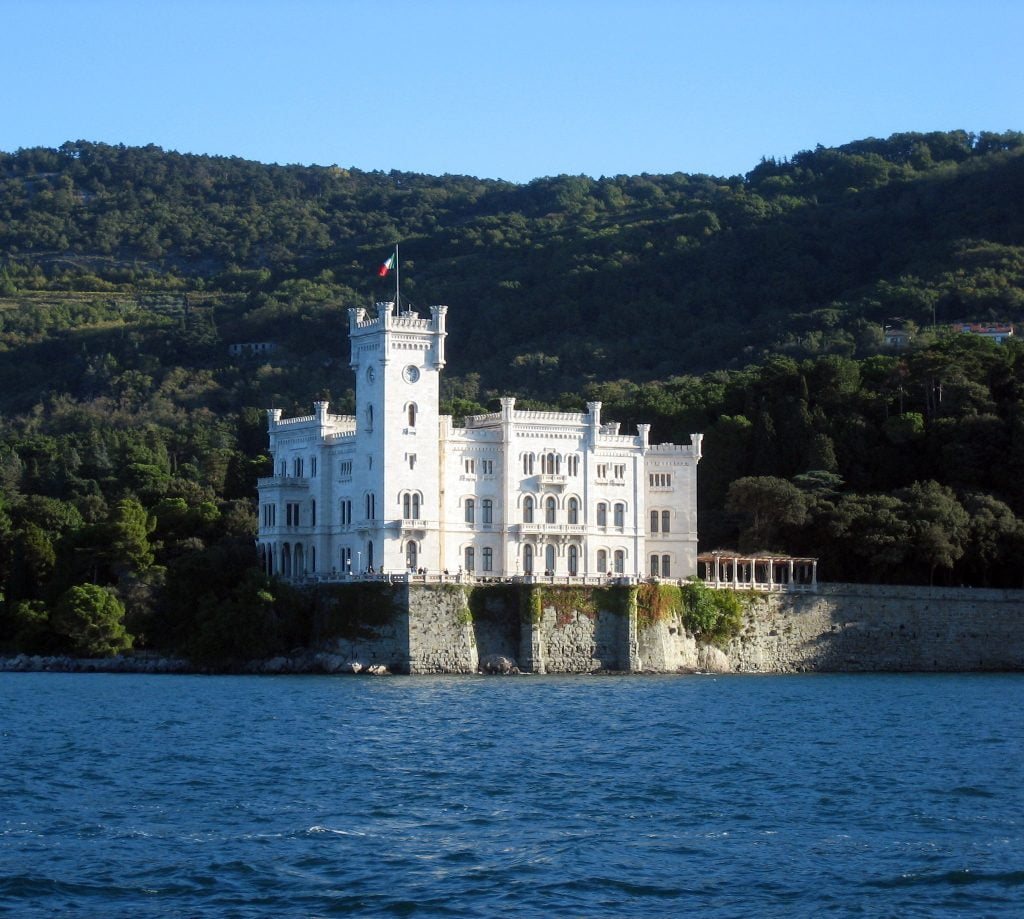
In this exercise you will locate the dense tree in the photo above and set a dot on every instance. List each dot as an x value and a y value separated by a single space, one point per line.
750 309
91 620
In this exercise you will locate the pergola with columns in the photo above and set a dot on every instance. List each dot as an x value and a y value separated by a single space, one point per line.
757 572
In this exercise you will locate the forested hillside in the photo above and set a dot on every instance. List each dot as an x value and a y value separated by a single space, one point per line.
750 308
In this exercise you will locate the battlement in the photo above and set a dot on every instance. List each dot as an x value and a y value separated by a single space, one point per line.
691 449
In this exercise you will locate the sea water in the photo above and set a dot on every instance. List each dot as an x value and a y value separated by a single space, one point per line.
137 795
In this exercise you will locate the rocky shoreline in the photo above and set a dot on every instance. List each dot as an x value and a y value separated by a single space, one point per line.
300 662
309 662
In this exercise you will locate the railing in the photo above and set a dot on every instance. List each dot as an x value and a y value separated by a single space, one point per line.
464 577
550 527
283 480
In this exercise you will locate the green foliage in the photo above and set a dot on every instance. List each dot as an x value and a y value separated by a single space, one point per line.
714 616
750 309
567 602
354 611
657 602
90 619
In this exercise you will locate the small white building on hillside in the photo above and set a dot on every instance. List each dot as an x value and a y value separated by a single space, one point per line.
397 487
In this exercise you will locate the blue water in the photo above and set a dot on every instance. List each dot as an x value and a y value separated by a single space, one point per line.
131 795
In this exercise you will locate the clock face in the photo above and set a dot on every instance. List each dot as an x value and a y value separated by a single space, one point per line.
370 375
411 374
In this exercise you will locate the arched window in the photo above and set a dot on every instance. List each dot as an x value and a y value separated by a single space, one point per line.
488 559
572 463
487 508
312 558
549 558
602 514
527 559
416 506
369 553
412 414
527 509
371 507
550 510
470 555
666 567
527 464
406 505
654 566
665 517
286 560
299 560
620 561
470 510
574 510
574 561
602 561
411 555
369 418
620 515
312 512
654 521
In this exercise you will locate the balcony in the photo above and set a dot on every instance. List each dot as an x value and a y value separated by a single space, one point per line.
549 480
283 481
561 529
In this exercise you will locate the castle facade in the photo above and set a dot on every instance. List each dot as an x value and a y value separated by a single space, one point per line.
397 487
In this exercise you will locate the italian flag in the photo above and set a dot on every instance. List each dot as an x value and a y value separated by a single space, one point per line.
387 266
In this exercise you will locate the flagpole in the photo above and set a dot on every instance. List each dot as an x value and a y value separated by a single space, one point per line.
398 302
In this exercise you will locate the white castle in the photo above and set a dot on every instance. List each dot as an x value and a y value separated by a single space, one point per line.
398 487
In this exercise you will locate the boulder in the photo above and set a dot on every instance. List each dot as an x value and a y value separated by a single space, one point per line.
713 660
498 663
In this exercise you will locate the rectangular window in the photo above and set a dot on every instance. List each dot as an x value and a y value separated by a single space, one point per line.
620 471
602 471
488 510
470 466
312 467
412 460
602 514
470 510
487 467
470 558
620 515
654 521
488 560
665 517
345 469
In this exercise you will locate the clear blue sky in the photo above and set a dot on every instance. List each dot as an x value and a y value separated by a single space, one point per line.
510 89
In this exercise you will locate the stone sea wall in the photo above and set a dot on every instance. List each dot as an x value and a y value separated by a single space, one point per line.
842 627
867 627
421 629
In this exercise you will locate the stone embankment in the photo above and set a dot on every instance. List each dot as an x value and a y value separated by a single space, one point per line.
503 629
874 627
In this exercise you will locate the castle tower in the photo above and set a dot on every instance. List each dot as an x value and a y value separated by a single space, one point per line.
397 360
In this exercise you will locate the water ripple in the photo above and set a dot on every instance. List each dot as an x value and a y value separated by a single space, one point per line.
251 797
